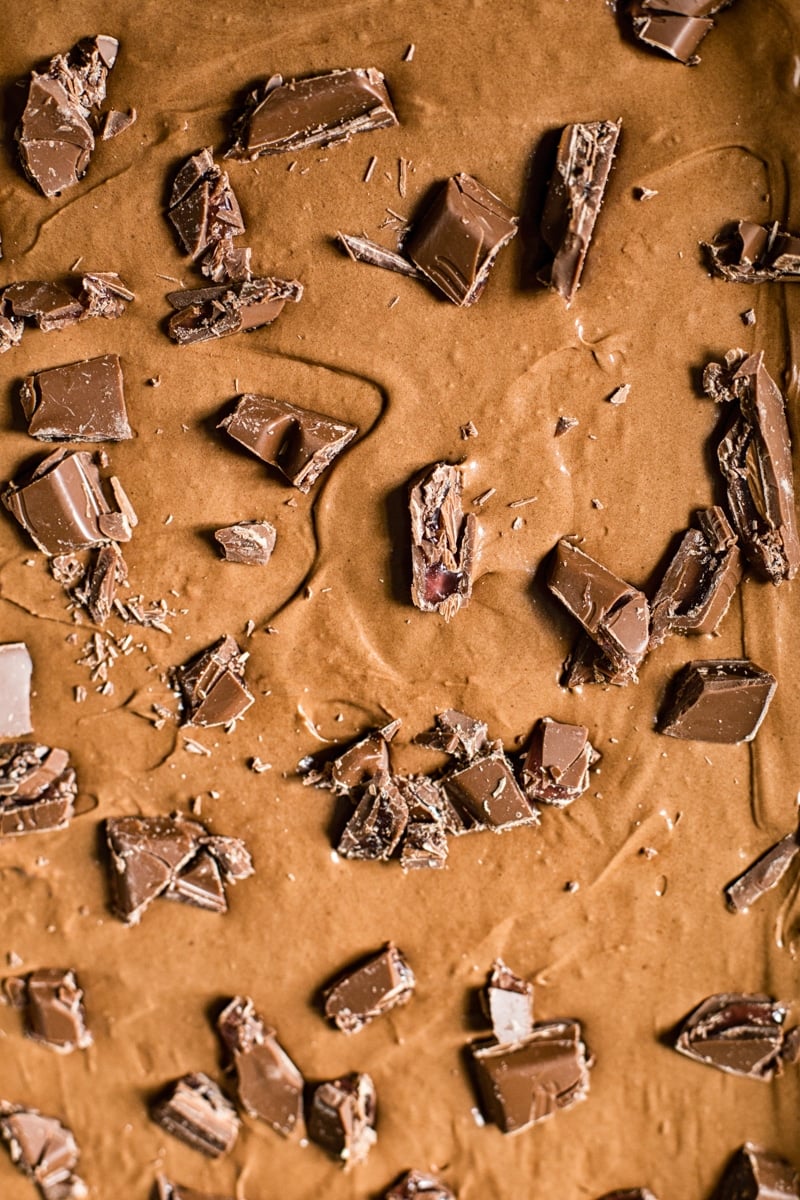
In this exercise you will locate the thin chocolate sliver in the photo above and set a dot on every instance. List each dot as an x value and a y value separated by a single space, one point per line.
418 1185
444 542
717 700
44 1150
250 542
53 1004
37 788
82 402
212 685
269 1085
745 252
341 1117
16 670
556 766
630 1194
98 586
762 875
738 1034
361 249
700 581
365 992
756 1174
195 1111
202 206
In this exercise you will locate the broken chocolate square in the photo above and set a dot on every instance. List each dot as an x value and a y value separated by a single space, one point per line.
235 306
488 793
700 581
762 875
739 1034
369 990
212 685
82 402
250 542
341 1117
670 29
98 585
16 669
507 1001
269 1085
378 823
48 305
755 1174
42 1149
195 1111
457 734
116 122
717 700
556 766
424 847
456 239
745 252
362 249
416 1184
202 205
199 883
428 802
53 1004
443 541
37 788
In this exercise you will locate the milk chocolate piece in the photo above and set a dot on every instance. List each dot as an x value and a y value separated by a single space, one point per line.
755 458
361 249
298 442
53 1003
367 758
269 1085
488 792
739 1034
507 1001
755 1174
82 402
202 314
418 1183
202 205
717 700
531 1080
98 586
199 883
16 669
249 542
48 305
673 32
556 766
378 985
762 875
574 198
586 663
103 294
428 801
212 685
630 1194
745 252
116 122
613 613
457 734
195 1111
322 109
456 239
42 1149
424 847
700 581
378 823
341 1117
167 1190
37 788
443 541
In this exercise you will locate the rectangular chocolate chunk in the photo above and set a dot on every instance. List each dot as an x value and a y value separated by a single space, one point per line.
37 788
16 670
700 581
44 1150
756 1174
250 542
362 249
212 685
673 32
717 700
739 1034
82 402
53 1004
507 1001
202 314
745 252
488 792
456 239
195 1111
293 114
48 305
424 846
377 824
556 766
574 198
444 541
341 1117
374 987
762 875
269 1085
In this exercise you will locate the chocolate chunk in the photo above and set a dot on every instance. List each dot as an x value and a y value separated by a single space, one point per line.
195 1111
37 788
717 700
202 205
98 585
116 122
531 1080
53 1004
296 441
378 985
613 613
48 305
754 1174
507 1001
318 111
341 1117
444 541
82 402
457 734
574 198
418 1183
16 669
630 1194
378 823
199 883
212 685
103 294
700 581
42 1149
455 241
428 801
223 263
203 314
361 249
762 875
745 252
488 792
739 1034
673 32
586 663
269 1085
361 762
556 766
790 1050
424 847
755 458
65 504
250 542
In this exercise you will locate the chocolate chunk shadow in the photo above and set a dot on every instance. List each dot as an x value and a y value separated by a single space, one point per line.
474 1018
397 520
416 221
13 99
532 251
552 611
15 420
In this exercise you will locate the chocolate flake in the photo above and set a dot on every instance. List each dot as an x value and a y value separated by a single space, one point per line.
745 252
378 823
755 1174
419 1184
203 314
378 985
556 766
195 1111
16 669
717 700
361 249
37 788
82 402
443 541
488 792
53 1003
762 875
739 1034
341 1117
42 1149
116 122
249 542
269 1085
564 424
212 685
699 583
507 1001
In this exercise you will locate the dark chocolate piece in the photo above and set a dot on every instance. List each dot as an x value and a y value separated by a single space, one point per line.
116 122
455 241
755 458
373 988
444 541
717 700
457 734
739 1034
507 1001
42 1149
37 788
419 1184
294 114
16 669
755 1174
97 587
745 252
762 875
361 249
298 442
341 1117
53 1003
269 1085
82 402
613 613
195 1111
424 846
700 581
378 823
202 314
212 685
487 791
202 205
249 542
556 766
574 198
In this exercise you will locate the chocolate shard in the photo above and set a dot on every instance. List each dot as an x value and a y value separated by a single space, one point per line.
717 700
363 761
630 1194
755 458
269 1085
531 1080
202 206
202 314
298 442
341 1117
378 823
317 111
762 875
507 1001
556 767
755 1174
428 801
361 249
103 294
700 581
199 883
790 1051
456 239
745 252
166 1189
146 854
98 585
614 614
674 33
383 982
424 847
82 402
574 198
487 792
444 541
16 670
231 855
419 1184
739 1034
195 1111
212 685
49 306
44 1150
53 1004
586 663
37 788
457 734
249 542
116 122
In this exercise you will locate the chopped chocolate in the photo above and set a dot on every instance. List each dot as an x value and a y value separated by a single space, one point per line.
586 663
16 669
48 305
790 1050
418 1183
202 314
556 766
717 700
269 1085
296 441
699 583
212 685
82 402
42 1149
754 1174
361 249
199 883
613 613
457 734
99 583
341 1117
487 791
762 875
223 262
424 846
103 294
443 541
564 424
195 1111
456 239
37 788
206 215
669 29
53 1003
745 252
507 1001
249 542
739 1034
574 198
428 802
369 990
322 109
378 823
116 122
755 458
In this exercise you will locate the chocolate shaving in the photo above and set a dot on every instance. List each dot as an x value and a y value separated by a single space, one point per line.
739 1034
375 987
507 1001
16 669
42 1149
195 1111
212 685
53 1004
556 766
745 252
250 542
699 583
717 700
203 314
99 584
82 402
269 1085
755 1174
341 1117
37 788
361 249
418 1184
762 875
443 541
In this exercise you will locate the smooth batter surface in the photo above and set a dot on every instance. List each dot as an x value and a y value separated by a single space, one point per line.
643 939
